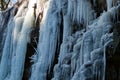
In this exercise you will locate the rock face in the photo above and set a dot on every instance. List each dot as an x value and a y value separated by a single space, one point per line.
113 55
60 40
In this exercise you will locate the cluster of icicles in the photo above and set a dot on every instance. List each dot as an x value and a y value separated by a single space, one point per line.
82 52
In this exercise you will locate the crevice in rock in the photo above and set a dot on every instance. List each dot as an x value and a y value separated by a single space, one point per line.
113 59
30 51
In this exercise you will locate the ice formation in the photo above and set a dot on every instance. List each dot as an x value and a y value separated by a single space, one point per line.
15 45
109 4
72 41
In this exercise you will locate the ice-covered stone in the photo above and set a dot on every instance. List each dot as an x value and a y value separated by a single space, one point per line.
97 54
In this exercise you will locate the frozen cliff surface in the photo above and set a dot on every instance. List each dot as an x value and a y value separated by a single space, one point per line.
60 40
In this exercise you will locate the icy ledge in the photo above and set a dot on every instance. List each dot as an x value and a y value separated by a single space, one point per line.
85 58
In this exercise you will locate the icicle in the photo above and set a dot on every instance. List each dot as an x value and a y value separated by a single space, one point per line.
109 4
16 32
36 66
66 32
47 43
18 64
87 47
104 57
6 57
78 11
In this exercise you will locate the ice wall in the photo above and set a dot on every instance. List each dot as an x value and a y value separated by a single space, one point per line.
72 39
6 57
48 38
82 54
4 19
14 51
6 29
85 57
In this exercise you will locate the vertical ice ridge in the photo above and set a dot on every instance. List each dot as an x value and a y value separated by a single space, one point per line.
19 57
49 33
6 60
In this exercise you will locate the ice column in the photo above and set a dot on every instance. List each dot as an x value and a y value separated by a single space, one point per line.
20 54
109 4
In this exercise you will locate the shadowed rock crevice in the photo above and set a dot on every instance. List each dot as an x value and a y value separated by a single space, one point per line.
30 51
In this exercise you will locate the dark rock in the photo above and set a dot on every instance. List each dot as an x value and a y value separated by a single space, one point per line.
116 37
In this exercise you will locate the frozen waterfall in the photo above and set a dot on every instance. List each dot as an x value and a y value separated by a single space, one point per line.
58 39
15 48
